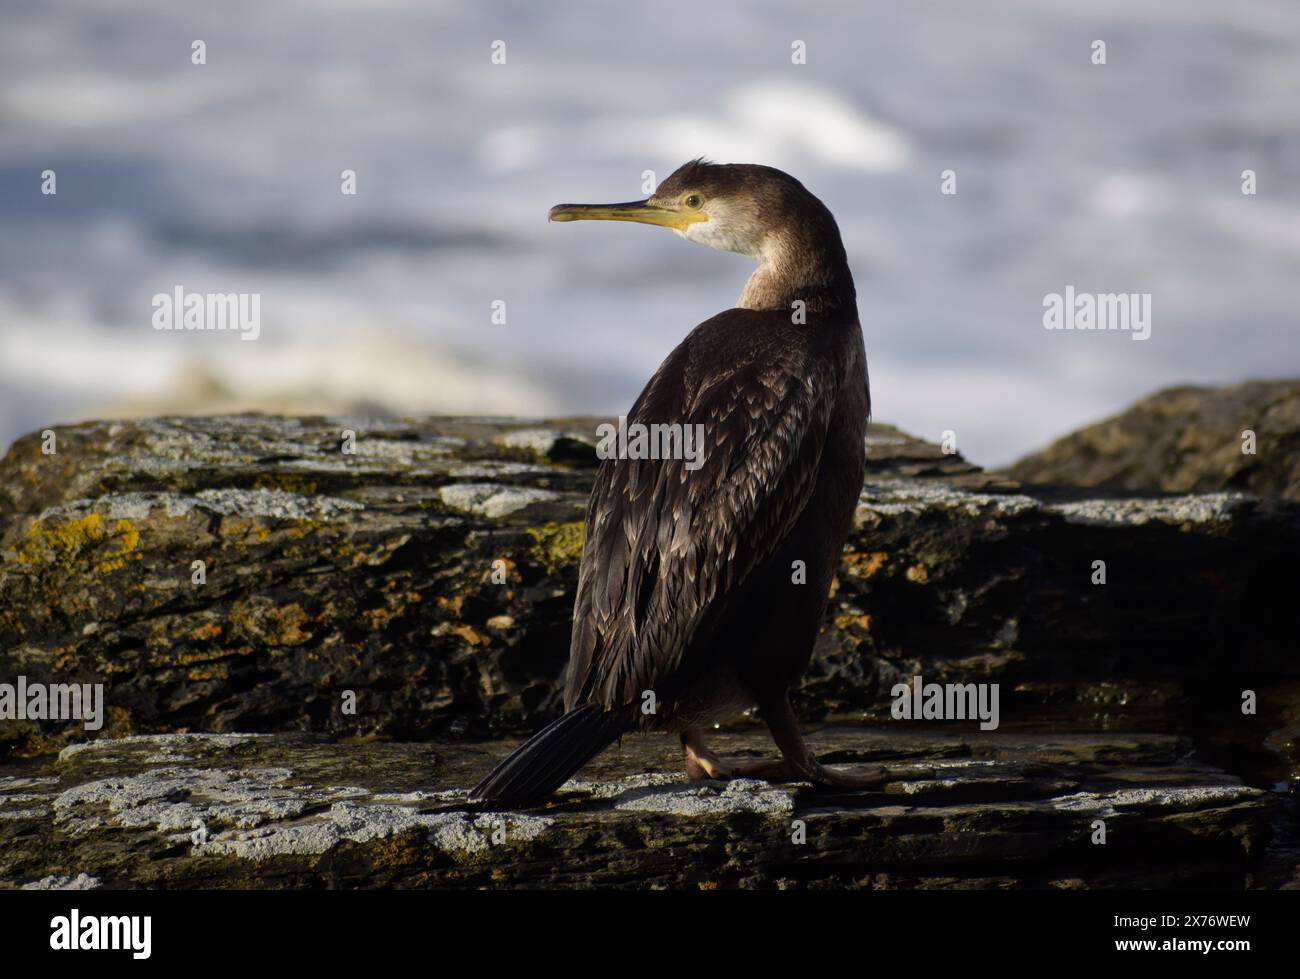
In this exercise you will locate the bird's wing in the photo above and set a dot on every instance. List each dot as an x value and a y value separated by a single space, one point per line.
665 546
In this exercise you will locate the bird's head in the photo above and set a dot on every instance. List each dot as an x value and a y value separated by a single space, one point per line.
734 207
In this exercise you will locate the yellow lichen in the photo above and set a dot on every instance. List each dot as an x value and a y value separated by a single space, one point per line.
62 542
470 634
281 626
243 527
556 545
217 671
10 623
864 565
304 528
208 630
850 622
287 623
128 541
289 482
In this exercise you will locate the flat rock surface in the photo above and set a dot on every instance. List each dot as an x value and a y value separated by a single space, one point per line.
958 810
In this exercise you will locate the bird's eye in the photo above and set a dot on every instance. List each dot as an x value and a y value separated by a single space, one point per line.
693 201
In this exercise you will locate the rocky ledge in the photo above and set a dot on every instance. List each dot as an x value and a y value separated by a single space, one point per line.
979 810
362 581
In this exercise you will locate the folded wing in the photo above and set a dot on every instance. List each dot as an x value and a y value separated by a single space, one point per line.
667 547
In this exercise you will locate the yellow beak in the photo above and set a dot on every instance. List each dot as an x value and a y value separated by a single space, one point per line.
643 212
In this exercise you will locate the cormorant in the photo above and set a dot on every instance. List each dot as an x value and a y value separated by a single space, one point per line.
706 587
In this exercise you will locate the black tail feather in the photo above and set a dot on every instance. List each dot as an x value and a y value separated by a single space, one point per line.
545 761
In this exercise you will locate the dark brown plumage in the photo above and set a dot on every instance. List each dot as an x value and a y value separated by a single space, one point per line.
688 585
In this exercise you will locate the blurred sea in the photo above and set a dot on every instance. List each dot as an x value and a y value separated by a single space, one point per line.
225 178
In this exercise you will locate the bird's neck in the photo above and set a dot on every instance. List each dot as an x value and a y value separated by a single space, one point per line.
797 265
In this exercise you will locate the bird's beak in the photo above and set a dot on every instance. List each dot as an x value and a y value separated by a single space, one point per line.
643 212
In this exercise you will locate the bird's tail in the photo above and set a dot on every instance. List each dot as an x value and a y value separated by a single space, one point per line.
545 761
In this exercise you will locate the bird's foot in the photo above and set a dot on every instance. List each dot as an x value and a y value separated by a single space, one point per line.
810 770
855 781
772 769
700 762
798 766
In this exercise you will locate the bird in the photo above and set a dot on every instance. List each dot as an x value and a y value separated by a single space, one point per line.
701 589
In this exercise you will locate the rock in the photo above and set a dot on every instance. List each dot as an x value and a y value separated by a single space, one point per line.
962 809
430 571
308 705
421 586
1184 440
56 882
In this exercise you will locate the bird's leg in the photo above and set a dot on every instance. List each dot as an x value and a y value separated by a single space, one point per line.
797 763
700 762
